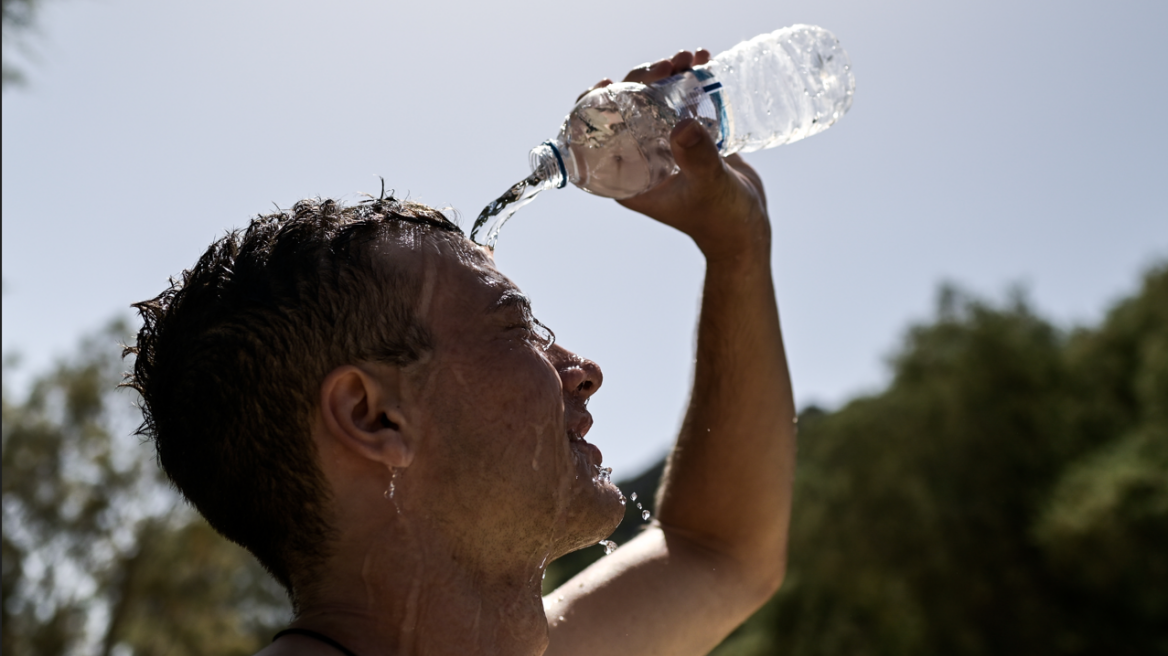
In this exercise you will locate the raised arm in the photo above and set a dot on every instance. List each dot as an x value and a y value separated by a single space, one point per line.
718 547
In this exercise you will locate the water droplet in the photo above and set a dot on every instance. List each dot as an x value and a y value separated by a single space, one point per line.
392 483
603 474
561 618
645 515
633 496
544 577
609 546
638 505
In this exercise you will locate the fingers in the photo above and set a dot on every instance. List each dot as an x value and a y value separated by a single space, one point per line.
599 85
695 152
658 70
663 68
650 73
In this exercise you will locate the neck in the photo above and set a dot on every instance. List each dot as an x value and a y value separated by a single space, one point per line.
400 590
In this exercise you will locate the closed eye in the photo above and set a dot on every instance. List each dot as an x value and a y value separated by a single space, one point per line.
535 332
546 337
515 301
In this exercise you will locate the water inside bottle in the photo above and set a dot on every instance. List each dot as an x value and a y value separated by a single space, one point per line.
495 214
619 140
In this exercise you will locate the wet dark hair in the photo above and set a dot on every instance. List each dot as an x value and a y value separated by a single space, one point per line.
230 359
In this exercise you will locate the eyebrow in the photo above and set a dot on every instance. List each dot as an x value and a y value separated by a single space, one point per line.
512 298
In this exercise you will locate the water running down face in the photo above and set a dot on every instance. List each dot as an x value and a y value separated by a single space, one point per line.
505 416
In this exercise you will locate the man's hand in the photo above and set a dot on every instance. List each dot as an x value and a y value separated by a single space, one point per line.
719 202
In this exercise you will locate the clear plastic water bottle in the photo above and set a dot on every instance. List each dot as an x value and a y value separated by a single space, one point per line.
773 89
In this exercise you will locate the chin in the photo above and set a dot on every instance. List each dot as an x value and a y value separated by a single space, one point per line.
593 517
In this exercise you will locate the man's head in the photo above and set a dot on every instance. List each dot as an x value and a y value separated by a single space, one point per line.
246 364
230 359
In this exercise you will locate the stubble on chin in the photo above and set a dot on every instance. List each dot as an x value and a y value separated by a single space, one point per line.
593 516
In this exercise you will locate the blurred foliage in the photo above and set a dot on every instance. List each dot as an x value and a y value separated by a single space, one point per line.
17 18
1006 494
99 554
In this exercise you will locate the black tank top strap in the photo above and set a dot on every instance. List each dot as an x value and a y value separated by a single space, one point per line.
315 635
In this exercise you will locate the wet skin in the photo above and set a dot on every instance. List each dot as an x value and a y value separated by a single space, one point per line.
483 442
503 415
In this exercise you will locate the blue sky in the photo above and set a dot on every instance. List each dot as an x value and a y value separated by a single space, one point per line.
990 144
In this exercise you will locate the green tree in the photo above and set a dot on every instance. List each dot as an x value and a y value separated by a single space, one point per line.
17 17
1113 502
97 550
1007 493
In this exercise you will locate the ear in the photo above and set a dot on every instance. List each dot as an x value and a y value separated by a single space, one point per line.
360 409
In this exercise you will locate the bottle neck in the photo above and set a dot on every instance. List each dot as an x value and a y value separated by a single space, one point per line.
547 162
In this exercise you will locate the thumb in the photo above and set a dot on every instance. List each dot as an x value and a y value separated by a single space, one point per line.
694 151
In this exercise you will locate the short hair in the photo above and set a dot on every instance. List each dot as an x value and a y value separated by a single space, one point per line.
230 359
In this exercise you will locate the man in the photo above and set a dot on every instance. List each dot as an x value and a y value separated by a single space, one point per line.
362 400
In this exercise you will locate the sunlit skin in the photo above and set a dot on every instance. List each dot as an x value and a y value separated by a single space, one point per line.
498 393
480 442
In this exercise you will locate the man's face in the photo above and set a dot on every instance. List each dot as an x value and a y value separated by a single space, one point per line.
505 415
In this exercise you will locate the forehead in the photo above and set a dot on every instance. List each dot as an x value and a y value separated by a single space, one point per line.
457 282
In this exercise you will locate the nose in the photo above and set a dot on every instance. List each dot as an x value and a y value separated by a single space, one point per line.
581 377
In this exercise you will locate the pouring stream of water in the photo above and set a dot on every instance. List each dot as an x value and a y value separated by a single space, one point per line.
502 208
